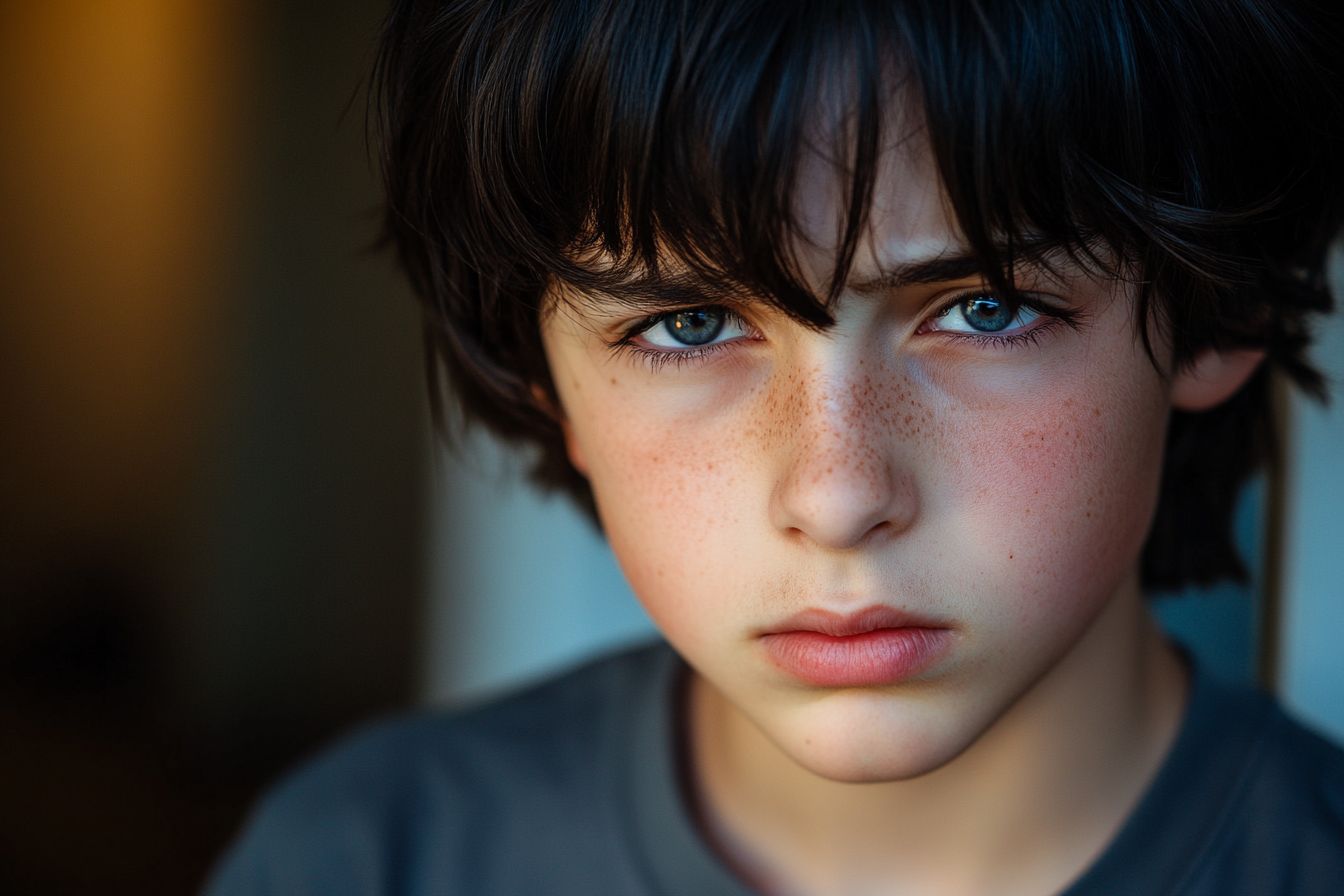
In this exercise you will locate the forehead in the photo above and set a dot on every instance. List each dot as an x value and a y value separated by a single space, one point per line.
912 240
910 233
905 229
910 220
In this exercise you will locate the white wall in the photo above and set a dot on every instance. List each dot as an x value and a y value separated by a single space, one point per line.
521 583
1312 674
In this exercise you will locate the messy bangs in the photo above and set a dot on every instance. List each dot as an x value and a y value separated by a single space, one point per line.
1189 146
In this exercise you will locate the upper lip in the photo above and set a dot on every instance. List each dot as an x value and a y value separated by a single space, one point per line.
840 625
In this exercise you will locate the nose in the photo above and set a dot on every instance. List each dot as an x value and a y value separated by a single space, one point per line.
841 483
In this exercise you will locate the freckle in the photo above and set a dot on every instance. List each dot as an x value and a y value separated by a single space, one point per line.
613 381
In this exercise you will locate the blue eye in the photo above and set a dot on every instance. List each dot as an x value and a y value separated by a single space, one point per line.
984 313
692 331
698 327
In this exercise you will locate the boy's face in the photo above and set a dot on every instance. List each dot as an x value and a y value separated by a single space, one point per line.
872 539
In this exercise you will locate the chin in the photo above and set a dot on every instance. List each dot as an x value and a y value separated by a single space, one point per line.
845 738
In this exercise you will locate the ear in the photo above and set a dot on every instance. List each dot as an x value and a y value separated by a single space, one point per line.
555 412
1213 377
572 448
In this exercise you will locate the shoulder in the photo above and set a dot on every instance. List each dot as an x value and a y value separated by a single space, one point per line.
443 801
1248 802
1282 829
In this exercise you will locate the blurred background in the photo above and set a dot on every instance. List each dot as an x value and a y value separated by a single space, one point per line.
225 532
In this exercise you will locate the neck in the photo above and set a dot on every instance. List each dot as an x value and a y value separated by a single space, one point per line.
1025 810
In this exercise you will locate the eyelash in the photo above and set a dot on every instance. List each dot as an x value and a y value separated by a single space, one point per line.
656 359
1012 340
1050 319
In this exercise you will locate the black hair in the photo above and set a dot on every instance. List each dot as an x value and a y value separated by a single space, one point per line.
1192 146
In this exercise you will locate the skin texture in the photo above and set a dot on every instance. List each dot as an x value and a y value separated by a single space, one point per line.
999 489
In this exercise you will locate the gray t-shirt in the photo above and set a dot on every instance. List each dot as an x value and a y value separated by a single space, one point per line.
572 789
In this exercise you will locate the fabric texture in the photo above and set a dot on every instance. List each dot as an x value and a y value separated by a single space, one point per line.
572 789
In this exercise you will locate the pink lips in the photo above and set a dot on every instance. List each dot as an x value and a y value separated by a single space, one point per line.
872 647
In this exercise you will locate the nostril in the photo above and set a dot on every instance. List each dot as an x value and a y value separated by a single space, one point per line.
883 530
835 514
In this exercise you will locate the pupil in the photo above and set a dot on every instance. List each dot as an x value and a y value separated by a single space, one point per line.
987 314
695 327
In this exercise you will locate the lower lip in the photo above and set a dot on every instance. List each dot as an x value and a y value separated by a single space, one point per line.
882 656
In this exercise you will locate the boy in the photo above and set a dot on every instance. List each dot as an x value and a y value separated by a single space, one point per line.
897 347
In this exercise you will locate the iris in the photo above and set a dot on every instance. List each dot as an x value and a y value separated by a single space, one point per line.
696 327
987 314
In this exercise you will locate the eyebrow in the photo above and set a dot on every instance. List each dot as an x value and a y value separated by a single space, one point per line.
664 291
1030 252
934 270
683 287
677 289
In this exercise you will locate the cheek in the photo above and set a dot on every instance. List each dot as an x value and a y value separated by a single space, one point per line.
1056 493
670 489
